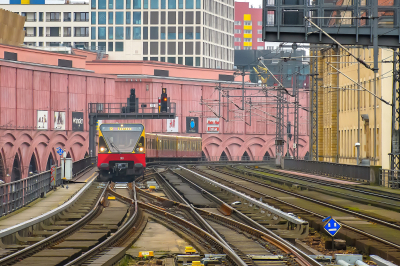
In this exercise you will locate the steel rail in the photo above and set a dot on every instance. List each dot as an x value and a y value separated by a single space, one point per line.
317 201
28 251
114 238
47 215
326 183
300 208
262 205
195 214
270 234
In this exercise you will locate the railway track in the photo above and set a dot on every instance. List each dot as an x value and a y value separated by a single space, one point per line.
244 240
255 188
358 193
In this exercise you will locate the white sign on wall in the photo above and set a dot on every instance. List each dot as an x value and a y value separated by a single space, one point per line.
212 125
42 120
59 120
172 125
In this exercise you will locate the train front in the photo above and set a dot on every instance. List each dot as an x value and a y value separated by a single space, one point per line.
121 154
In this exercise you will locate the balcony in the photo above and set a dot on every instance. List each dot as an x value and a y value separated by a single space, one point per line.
67 35
30 35
53 20
30 20
53 35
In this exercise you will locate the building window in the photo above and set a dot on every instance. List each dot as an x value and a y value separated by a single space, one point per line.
189 61
189 5
128 18
198 6
101 33
197 35
259 31
180 60
238 31
145 4
259 23
246 47
145 33
110 4
154 4
171 4
171 35
137 18
238 39
102 18
93 46
110 46
41 16
180 4
110 33
40 32
53 32
127 33
259 40
93 33
93 4
247 39
197 61
67 16
102 46
111 18
93 18
54 16
119 4
238 23
247 23
260 47
119 33
81 32
67 32
102 4
119 46
128 4
137 33
238 47
171 60
153 33
119 18
137 4
162 35
247 31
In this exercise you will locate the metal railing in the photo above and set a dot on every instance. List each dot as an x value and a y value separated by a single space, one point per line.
389 178
366 173
19 193
142 108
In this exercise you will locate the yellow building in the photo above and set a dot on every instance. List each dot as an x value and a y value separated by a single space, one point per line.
344 104
11 28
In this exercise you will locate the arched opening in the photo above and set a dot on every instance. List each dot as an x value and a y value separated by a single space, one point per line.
223 157
50 162
16 169
86 154
245 156
307 156
32 166
68 155
287 155
267 157
203 156
2 169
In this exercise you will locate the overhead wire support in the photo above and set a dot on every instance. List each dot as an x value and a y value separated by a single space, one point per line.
340 45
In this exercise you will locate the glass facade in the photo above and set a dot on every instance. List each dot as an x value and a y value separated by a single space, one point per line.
101 33
119 4
110 18
119 33
171 4
189 4
128 4
102 4
137 18
137 4
110 4
93 33
154 4
163 4
145 4
93 18
110 33
180 4
137 33
171 35
128 18
102 18
127 33
119 18
119 46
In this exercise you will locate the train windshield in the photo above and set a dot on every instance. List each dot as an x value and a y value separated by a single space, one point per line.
122 139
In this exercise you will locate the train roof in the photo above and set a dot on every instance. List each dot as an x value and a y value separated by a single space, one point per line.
154 134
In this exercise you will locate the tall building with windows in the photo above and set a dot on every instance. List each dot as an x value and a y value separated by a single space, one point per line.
248 27
188 32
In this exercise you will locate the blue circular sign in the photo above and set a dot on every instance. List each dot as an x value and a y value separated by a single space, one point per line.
192 124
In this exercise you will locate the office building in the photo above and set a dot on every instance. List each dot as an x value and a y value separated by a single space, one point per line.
248 27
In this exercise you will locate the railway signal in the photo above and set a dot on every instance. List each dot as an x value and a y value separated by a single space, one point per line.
132 103
164 100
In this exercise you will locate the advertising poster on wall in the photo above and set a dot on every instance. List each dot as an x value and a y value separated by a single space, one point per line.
212 125
42 120
77 121
192 125
59 120
172 125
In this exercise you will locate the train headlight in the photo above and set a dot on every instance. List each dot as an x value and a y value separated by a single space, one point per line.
141 149
102 149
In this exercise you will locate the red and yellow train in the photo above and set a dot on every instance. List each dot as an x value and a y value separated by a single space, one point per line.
125 148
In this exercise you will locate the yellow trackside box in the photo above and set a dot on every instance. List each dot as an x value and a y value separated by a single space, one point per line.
190 250
146 254
152 187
